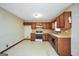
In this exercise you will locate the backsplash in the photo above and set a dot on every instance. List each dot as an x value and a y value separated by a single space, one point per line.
44 30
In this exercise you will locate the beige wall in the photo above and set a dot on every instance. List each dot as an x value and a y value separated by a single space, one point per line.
11 29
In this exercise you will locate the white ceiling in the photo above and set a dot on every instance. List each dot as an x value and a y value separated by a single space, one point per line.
26 11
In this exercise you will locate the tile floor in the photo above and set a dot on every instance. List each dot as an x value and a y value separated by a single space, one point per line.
31 48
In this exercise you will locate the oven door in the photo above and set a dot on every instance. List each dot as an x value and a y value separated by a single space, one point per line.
38 36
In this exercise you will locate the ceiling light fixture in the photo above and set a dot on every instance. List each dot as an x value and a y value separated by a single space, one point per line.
37 15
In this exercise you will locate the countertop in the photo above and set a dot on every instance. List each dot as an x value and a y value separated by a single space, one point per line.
63 34
44 30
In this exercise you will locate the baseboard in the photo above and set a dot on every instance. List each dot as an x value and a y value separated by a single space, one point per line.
11 46
26 39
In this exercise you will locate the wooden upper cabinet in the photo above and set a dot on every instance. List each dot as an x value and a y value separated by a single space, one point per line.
45 25
39 24
50 25
63 20
53 24
33 25
66 18
27 23
58 22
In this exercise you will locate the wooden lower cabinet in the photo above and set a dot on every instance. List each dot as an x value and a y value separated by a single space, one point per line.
32 36
50 39
45 37
63 46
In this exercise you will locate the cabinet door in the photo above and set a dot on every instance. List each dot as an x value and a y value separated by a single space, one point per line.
48 25
50 39
44 26
66 18
45 37
64 47
33 25
32 37
60 21
56 45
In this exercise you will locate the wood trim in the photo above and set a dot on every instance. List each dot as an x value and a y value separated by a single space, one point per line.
11 46
27 23
30 23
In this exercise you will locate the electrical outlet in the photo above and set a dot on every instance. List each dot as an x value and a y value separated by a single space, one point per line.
7 45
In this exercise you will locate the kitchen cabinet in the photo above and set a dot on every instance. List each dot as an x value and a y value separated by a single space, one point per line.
45 37
63 20
60 21
49 25
44 25
53 41
50 39
33 25
64 46
53 25
66 18
27 23
61 45
33 36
